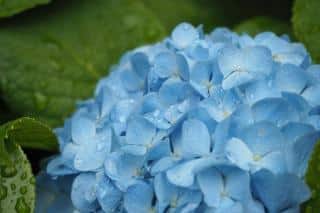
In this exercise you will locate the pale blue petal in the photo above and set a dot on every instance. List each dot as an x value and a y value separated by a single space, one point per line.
199 50
259 90
294 130
174 91
140 64
188 200
164 164
58 166
291 78
134 149
108 195
202 114
263 137
312 95
298 103
131 81
300 153
91 155
276 191
140 132
138 198
258 60
184 173
211 184
239 153
275 110
165 192
82 129
159 150
200 77
83 194
123 168
195 139
223 35
184 34
165 64
237 184
275 162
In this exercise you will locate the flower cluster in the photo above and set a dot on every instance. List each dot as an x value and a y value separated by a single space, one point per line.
196 123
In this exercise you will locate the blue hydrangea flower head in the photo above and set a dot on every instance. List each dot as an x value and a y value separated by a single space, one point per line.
198 122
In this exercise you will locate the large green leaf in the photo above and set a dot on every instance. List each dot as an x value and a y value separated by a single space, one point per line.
17 190
312 178
306 25
30 133
259 24
12 7
53 56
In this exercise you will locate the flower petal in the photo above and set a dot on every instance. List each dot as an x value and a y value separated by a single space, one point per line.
239 153
195 139
184 34
82 129
276 191
83 194
138 198
108 195
140 132
211 184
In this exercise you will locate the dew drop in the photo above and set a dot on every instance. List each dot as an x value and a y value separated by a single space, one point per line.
3 192
23 176
21 206
32 180
100 146
40 100
186 27
8 171
13 186
77 162
23 190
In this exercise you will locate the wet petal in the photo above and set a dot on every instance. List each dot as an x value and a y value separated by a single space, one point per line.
195 139
83 194
138 198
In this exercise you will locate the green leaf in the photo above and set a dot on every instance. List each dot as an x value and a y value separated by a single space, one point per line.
306 25
12 7
53 56
259 24
17 190
30 133
312 179
17 184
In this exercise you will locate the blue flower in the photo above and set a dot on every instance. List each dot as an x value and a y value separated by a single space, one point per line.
195 123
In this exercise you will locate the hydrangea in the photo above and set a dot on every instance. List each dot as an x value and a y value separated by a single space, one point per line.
215 122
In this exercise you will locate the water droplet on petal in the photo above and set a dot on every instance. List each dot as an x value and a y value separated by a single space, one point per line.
186 27
100 146
77 162
91 194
